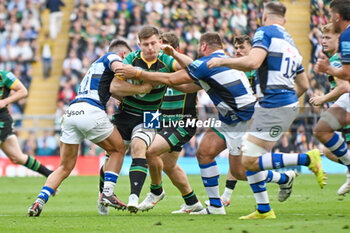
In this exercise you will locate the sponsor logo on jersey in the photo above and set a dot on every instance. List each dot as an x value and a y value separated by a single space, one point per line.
74 113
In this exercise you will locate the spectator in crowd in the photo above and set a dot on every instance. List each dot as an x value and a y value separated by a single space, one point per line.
46 55
301 140
284 145
47 144
30 144
55 17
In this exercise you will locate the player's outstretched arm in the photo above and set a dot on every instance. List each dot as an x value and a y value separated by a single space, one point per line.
19 92
121 88
252 61
182 60
324 66
187 87
170 79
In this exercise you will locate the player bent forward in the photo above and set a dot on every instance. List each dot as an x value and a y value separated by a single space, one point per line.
86 118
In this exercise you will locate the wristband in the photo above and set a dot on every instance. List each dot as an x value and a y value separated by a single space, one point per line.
138 73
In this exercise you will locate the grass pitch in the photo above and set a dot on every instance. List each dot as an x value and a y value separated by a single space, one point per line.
309 209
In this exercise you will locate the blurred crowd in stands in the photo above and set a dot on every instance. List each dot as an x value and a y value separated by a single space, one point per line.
94 23
20 24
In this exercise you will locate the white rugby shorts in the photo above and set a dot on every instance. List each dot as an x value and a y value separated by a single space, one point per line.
233 135
85 121
344 102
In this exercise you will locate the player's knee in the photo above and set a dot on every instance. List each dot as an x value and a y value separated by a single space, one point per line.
138 150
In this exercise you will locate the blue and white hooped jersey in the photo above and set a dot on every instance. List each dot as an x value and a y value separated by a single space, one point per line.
275 77
344 46
229 89
94 88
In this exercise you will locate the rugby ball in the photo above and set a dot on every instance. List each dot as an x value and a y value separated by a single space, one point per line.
135 82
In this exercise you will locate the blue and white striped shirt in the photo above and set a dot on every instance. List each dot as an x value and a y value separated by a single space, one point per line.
275 77
94 88
229 89
344 46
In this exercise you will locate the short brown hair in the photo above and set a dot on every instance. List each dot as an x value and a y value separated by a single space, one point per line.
242 39
342 7
328 28
276 8
212 39
170 38
119 46
148 31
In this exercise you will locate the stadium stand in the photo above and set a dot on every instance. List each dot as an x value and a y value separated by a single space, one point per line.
89 25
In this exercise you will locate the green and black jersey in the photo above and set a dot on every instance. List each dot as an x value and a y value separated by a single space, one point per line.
335 62
251 78
137 104
177 105
7 82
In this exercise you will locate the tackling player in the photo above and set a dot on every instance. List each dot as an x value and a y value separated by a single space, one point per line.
280 81
231 93
86 118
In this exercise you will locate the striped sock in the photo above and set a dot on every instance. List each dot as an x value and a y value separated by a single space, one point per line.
270 161
276 177
36 166
210 177
190 198
339 148
45 193
257 182
157 189
109 184
137 175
